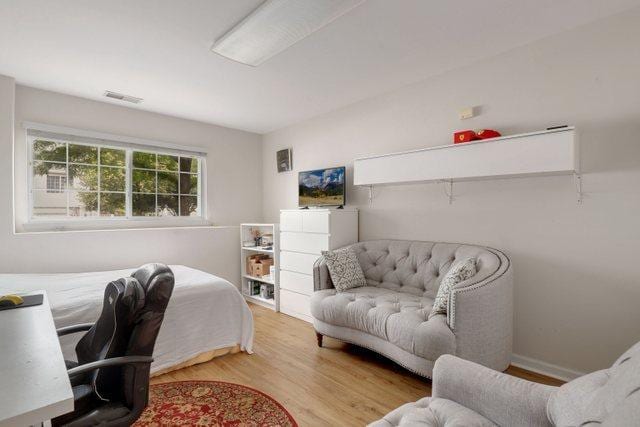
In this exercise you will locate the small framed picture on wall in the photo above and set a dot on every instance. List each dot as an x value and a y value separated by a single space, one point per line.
283 158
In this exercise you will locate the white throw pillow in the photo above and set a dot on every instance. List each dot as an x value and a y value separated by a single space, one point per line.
344 269
457 273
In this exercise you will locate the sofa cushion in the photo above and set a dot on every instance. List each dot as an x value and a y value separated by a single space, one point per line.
459 272
418 267
398 317
430 412
344 269
607 397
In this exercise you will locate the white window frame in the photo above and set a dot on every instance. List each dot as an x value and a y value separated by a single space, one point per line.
129 145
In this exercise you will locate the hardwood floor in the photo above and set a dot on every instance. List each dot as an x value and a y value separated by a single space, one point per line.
337 385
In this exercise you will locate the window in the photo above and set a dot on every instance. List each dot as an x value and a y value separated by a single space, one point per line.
164 185
56 183
77 180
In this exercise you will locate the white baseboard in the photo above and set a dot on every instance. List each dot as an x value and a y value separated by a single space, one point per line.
544 368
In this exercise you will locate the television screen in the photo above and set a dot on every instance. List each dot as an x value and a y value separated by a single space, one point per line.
322 187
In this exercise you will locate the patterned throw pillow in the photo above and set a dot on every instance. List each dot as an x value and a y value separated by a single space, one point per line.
344 269
458 273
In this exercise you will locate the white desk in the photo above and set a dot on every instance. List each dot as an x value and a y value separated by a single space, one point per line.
34 385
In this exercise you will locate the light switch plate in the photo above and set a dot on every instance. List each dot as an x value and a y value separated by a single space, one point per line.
467 113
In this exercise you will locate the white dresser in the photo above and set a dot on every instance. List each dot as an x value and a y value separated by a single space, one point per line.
304 234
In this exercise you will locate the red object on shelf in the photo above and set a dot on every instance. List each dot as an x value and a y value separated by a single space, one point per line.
488 133
464 136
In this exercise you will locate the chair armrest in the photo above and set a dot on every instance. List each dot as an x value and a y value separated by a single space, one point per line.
74 328
481 316
105 363
321 276
502 398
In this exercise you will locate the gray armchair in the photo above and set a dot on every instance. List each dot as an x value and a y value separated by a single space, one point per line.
466 394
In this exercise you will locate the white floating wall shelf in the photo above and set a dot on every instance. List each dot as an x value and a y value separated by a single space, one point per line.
548 152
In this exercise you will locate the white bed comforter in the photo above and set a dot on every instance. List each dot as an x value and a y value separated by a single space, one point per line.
205 312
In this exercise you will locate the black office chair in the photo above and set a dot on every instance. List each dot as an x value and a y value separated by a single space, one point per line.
111 378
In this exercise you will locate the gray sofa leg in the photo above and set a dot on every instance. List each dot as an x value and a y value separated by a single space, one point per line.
319 338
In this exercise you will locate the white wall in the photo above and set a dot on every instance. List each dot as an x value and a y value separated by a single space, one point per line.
233 171
576 275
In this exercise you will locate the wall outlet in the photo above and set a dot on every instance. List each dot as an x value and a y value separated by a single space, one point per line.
467 113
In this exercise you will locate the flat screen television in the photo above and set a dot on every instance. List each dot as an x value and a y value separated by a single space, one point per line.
321 187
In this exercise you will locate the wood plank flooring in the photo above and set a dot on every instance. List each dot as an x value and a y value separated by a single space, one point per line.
337 385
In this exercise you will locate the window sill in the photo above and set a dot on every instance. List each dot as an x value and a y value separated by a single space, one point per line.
54 226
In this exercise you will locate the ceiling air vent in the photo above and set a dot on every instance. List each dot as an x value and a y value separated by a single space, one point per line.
122 97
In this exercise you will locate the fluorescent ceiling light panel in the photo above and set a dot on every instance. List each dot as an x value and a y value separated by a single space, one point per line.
276 25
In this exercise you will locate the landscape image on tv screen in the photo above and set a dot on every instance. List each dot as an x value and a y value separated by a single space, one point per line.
323 187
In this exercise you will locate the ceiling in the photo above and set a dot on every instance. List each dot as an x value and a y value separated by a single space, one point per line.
159 50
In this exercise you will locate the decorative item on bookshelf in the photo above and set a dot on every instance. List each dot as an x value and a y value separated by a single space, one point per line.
259 265
463 136
266 240
266 291
253 287
488 134
470 135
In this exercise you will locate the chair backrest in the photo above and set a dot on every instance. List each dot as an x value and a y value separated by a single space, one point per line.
157 281
610 397
418 267
132 313
109 336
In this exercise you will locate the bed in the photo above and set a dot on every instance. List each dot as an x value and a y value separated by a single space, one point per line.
206 316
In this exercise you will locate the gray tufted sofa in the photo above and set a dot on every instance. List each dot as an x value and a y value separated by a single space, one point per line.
469 395
390 314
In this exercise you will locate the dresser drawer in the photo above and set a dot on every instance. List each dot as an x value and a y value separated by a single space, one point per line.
315 222
290 221
306 243
296 282
294 304
298 262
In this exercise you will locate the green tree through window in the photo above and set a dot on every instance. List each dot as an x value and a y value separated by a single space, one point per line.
164 185
96 181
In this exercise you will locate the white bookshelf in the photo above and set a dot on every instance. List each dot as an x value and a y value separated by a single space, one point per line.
272 251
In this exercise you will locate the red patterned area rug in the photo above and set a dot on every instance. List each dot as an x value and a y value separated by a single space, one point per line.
211 403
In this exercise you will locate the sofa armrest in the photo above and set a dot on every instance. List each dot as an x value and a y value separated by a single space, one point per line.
481 317
505 400
321 276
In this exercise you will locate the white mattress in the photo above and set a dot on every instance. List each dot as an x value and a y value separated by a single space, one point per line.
205 312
